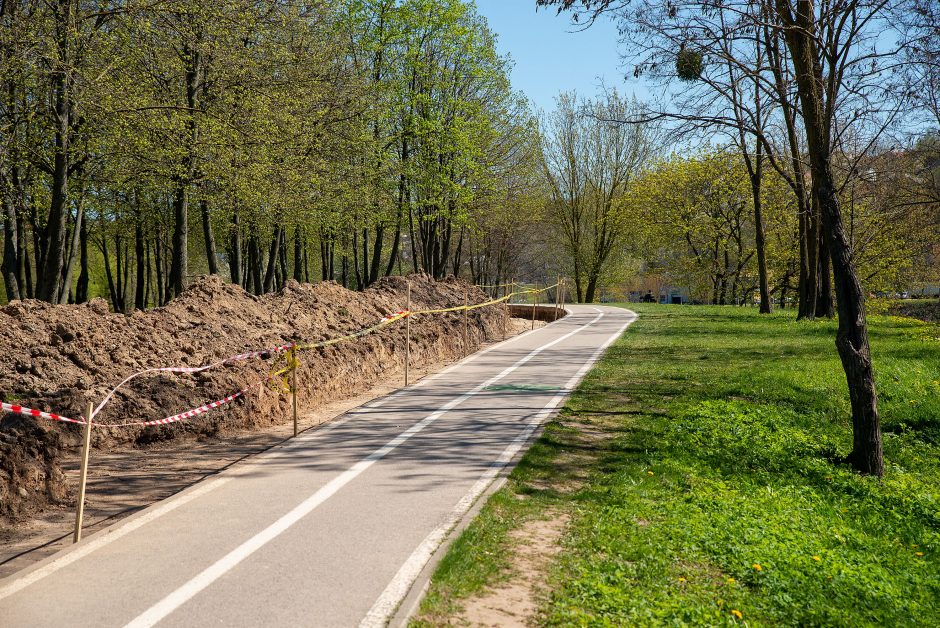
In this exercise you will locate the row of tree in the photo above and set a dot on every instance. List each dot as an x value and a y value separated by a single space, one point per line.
326 140
691 223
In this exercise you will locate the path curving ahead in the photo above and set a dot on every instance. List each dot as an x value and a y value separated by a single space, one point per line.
333 527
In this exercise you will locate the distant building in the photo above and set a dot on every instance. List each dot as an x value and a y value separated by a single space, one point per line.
664 294
676 296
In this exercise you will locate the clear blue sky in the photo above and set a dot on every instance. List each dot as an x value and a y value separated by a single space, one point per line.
551 55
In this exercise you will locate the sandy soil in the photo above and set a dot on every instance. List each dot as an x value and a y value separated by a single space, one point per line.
514 604
123 481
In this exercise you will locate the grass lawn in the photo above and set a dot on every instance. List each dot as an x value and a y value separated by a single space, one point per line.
699 464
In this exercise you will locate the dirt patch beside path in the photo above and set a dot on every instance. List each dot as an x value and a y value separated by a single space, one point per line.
515 604
58 358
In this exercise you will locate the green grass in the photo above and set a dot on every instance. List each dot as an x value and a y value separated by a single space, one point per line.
700 464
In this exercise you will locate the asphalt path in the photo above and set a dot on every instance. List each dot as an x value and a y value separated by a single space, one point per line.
333 527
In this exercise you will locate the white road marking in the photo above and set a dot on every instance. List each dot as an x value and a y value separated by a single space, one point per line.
215 571
387 603
100 541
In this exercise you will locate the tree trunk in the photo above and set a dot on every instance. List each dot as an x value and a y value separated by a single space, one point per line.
209 237
252 271
327 256
282 260
149 289
112 288
852 335
126 282
824 305
66 287
179 269
140 251
22 262
235 251
355 252
159 263
49 271
179 266
81 290
272 261
809 264
759 238
119 303
458 252
306 262
589 293
298 256
10 253
403 196
377 246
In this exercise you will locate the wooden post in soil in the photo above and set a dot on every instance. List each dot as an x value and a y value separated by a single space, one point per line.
505 304
83 476
535 301
466 323
408 333
557 297
293 387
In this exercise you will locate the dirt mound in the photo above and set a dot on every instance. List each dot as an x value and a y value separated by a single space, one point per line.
60 358
928 311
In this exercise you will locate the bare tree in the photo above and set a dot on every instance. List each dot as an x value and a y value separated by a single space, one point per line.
590 159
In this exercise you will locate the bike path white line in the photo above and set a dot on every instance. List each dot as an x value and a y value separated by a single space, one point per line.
212 573
387 603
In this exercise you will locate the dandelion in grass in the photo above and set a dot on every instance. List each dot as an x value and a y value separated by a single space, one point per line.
816 558
731 581
681 579
649 473
918 553
757 567
737 613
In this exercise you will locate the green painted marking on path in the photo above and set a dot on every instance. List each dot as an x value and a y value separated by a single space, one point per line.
537 387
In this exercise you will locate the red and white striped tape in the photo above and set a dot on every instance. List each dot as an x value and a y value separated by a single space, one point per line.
191 369
182 416
212 405
39 414
250 355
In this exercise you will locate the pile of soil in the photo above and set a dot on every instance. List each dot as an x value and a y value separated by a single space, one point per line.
60 358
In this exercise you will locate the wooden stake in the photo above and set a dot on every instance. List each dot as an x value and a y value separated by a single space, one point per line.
408 334
557 297
535 301
506 304
83 477
466 323
293 391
